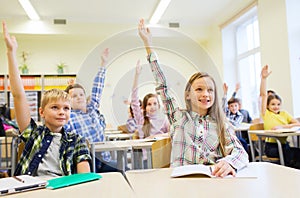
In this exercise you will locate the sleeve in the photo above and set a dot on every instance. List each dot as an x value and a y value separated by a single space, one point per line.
169 103
137 113
236 156
224 104
81 152
25 135
131 125
98 85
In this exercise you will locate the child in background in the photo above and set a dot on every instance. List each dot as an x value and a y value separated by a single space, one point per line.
130 123
235 117
275 118
150 122
86 118
50 150
200 134
246 116
231 108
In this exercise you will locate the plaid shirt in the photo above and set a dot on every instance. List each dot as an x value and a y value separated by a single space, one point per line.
91 125
73 149
194 138
131 125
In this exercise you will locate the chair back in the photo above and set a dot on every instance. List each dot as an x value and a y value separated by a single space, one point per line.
161 153
257 126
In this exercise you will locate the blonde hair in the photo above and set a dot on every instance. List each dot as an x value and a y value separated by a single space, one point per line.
215 111
54 95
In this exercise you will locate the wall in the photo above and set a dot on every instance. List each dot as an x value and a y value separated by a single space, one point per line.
293 15
275 48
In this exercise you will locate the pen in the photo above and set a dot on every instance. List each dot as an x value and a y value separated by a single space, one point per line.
19 179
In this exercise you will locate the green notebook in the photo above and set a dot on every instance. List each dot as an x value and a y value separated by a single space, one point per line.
70 180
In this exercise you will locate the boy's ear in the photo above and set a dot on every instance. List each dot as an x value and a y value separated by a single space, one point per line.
41 111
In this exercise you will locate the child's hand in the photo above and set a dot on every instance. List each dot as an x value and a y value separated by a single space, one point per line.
104 57
222 169
265 71
144 33
11 42
237 87
71 81
225 88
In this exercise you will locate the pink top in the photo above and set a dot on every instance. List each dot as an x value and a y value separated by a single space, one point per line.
159 122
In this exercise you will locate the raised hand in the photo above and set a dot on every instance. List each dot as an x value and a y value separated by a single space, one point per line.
11 42
265 71
145 33
225 88
104 57
237 87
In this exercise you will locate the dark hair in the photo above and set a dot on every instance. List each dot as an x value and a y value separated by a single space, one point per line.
233 100
270 92
274 96
147 126
76 85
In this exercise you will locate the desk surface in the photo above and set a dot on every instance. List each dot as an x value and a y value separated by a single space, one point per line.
275 133
100 188
270 180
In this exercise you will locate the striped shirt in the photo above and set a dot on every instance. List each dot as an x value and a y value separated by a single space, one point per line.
194 137
91 124
73 149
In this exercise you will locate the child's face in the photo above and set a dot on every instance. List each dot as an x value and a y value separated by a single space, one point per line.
56 114
152 106
78 99
202 95
233 107
274 105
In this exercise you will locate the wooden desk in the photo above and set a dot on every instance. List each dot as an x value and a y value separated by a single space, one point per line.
110 185
271 180
272 134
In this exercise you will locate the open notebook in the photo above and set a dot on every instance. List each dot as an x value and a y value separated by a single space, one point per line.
20 183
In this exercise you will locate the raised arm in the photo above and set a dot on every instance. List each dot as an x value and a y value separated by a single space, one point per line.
237 87
22 111
170 105
224 98
146 36
263 88
99 79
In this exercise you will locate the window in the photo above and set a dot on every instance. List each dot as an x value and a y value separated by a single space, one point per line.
241 49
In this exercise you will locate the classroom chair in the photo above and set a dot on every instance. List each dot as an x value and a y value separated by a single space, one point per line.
254 144
161 153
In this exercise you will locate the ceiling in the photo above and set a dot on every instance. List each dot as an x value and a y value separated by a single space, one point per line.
85 14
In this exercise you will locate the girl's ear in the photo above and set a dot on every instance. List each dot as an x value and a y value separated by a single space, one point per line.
188 96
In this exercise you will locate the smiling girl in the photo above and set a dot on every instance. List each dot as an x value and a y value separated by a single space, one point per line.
200 134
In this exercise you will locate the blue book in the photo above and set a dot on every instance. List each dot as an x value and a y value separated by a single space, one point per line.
70 180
